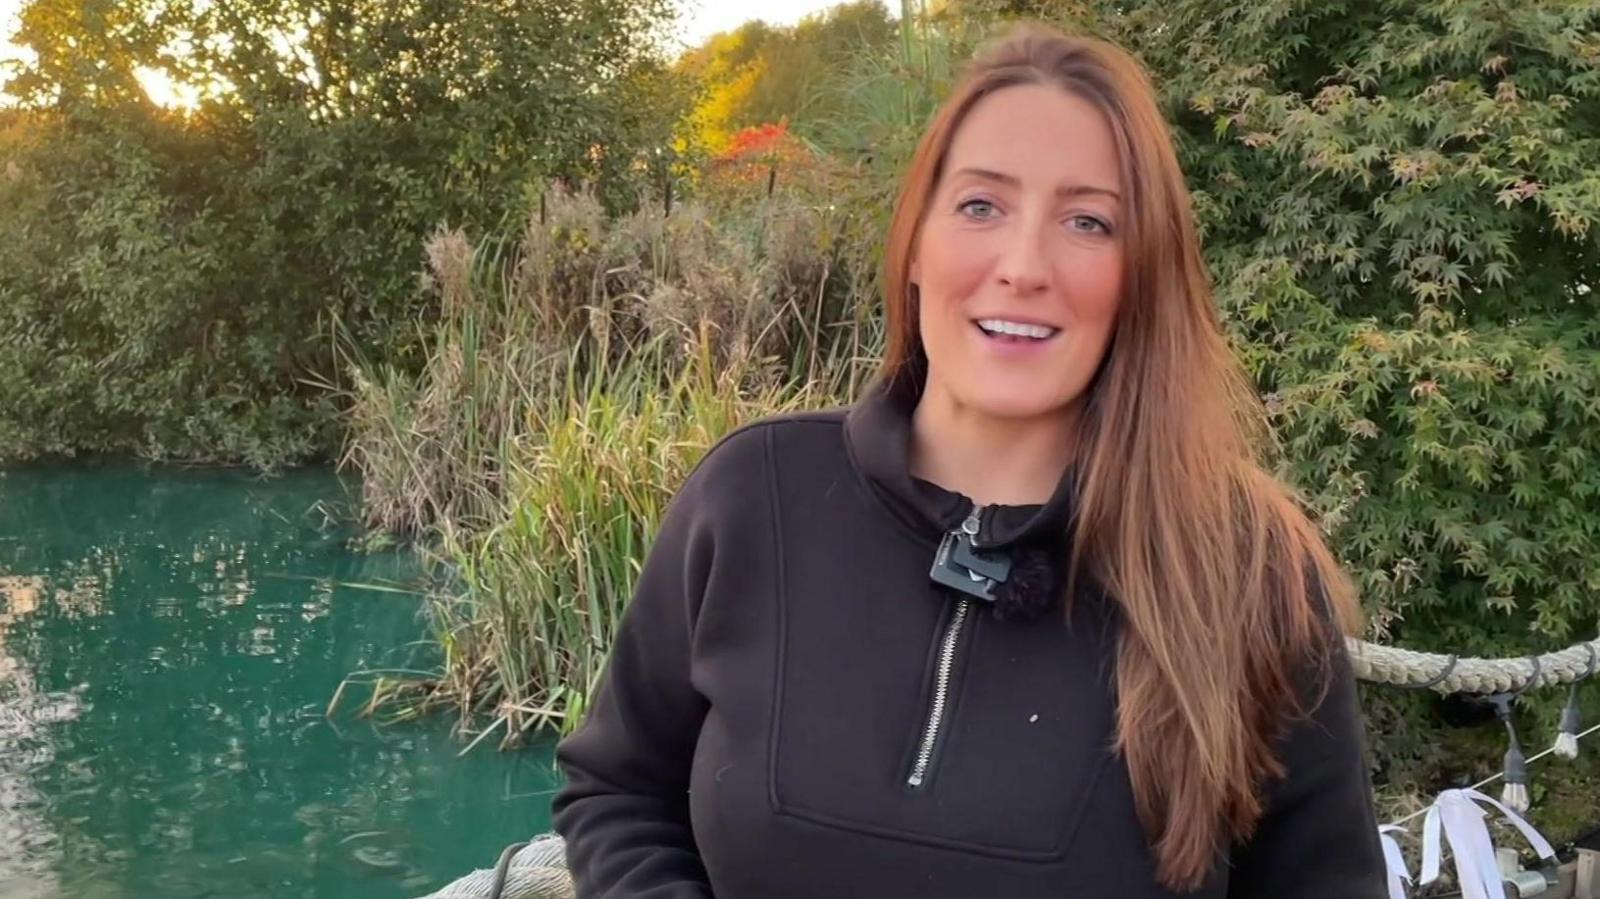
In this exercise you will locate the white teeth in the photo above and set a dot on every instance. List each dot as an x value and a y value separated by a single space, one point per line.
1001 326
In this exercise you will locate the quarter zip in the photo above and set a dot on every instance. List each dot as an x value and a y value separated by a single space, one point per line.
949 646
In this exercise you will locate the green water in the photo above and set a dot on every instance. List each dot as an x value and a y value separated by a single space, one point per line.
169 642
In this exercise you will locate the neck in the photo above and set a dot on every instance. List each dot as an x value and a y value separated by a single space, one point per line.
992 459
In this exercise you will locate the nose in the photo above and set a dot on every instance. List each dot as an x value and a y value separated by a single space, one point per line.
1024 265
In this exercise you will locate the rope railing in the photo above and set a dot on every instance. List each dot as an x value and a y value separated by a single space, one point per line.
1447 674
533 870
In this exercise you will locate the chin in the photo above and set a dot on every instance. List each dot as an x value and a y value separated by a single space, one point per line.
1003 403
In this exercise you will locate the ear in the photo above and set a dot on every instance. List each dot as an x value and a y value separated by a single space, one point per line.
914 278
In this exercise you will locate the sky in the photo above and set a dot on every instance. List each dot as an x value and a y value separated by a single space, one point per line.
703 18
700 19
8 25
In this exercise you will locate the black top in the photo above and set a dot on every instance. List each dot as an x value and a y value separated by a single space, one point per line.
793 709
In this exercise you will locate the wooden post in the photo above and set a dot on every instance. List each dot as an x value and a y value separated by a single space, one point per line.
1587 885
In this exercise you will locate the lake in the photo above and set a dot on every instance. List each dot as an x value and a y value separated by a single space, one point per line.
169 642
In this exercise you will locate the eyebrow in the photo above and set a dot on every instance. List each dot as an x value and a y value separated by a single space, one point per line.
1065 190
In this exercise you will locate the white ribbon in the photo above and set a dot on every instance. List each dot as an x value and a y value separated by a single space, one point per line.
1394 860
1467 831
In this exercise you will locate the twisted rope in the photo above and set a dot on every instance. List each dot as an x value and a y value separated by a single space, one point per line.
1452 674
538 870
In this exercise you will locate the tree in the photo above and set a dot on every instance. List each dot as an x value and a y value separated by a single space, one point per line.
1399 204
759 74
188 265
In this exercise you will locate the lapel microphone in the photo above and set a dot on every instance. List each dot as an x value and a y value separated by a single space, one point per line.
1020 584
963 567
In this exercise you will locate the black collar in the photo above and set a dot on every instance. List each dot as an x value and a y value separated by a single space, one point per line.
878 435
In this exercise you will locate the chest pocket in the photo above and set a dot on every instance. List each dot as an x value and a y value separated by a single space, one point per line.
1009 751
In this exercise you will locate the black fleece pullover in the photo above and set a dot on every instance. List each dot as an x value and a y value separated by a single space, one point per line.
794 710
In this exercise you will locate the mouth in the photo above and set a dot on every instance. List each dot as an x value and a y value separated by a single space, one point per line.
1009 331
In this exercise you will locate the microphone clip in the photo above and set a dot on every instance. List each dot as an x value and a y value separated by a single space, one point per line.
962 567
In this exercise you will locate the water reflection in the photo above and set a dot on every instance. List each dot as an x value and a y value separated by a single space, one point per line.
27 842
168 646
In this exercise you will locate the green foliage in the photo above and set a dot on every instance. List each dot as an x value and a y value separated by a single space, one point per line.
1398 202
172 276
1399 211
120 315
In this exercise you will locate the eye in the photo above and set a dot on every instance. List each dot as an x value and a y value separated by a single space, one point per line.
977 208
1088 224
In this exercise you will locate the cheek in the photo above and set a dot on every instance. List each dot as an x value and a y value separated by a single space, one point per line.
1096 290
951 268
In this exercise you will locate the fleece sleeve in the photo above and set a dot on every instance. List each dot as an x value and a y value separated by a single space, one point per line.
1319 836
624 809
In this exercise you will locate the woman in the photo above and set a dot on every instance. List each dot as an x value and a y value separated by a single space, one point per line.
1027 620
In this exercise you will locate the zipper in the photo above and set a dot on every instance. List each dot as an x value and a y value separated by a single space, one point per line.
948 645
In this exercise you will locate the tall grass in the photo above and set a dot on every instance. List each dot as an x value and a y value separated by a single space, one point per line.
775 286
577 371
586 489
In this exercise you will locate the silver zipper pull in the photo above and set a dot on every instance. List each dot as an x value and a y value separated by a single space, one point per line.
970 526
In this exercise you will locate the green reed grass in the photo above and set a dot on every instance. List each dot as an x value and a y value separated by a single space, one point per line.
547 583
575 375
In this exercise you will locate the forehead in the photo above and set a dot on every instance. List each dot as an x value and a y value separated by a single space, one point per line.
1043 134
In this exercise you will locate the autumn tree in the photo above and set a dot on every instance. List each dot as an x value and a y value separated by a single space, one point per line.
759 74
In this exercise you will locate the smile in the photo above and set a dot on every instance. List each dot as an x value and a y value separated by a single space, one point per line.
1003 328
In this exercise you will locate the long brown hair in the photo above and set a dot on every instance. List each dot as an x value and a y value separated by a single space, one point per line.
1227 593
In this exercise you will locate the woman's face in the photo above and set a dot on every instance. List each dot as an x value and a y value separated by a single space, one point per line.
1019 261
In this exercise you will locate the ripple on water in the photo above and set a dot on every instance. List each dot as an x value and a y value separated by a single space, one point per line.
210 619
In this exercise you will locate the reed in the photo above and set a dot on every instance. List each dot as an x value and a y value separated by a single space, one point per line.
575 374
